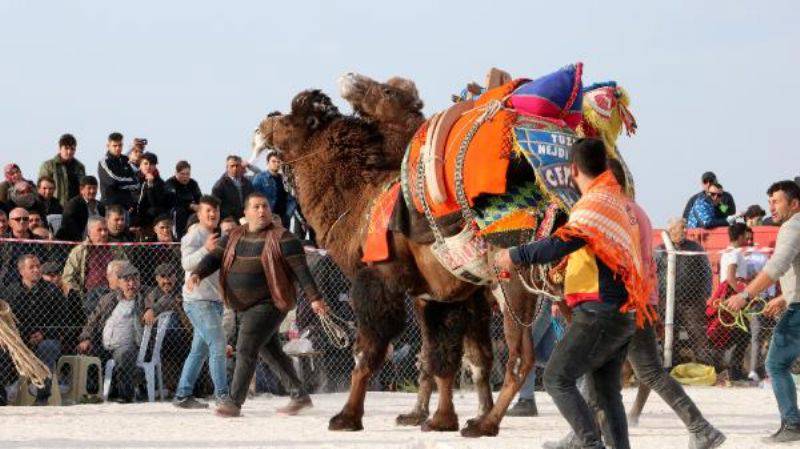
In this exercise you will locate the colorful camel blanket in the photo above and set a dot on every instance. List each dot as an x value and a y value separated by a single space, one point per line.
604 219
534 125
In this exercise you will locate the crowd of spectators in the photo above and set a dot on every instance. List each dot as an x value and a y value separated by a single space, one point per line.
87 260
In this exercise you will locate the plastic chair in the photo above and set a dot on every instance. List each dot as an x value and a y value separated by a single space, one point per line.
153 375
77 389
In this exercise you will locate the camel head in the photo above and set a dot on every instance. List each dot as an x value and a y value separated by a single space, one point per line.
387 102
311 110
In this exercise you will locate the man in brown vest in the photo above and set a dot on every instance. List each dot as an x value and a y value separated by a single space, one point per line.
258 264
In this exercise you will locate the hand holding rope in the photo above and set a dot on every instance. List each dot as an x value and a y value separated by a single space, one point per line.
742 317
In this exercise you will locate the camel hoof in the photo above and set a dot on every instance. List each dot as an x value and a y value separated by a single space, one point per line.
415 418
441 423
479 427
345 423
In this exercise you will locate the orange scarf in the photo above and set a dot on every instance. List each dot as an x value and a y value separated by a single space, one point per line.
604 219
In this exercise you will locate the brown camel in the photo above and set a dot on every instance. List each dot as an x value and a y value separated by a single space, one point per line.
340 164
394 107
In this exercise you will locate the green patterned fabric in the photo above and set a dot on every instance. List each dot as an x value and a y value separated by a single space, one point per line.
495 207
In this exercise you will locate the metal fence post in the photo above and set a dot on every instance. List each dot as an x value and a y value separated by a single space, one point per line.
669 319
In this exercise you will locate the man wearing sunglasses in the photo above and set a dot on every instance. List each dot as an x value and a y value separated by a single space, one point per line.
703 212
726 206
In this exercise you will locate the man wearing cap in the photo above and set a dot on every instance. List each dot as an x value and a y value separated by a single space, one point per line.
259 265
726 206
119 314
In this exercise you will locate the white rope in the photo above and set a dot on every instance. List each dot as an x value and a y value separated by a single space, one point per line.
26 362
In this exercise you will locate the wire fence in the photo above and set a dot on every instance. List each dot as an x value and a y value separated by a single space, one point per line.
66 296
697 329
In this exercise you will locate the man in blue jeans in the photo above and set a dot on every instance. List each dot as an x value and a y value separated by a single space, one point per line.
203 306
784 265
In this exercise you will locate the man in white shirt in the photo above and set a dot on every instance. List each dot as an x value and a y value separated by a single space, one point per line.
784 265
203 306
733 264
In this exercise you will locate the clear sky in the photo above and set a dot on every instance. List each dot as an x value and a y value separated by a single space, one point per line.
714 85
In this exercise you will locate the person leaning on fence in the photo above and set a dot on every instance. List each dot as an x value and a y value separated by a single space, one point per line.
64 169
87 262
203 306
119 315
784 265
693 284
603 285
19 221
39 307
259 265
78 210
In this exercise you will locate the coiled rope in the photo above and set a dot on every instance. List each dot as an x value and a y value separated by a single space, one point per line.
26 362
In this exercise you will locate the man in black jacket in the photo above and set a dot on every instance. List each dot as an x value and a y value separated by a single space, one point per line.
153 198
39 306
118 182
232 189
78 210
187 196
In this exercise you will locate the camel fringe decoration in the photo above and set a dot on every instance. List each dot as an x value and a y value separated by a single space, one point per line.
28 365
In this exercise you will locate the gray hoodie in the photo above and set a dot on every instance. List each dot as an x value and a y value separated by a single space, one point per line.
192 252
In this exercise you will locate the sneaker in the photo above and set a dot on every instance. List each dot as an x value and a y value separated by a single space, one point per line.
295 405
523 407
787 433
707 438
188 402
228 409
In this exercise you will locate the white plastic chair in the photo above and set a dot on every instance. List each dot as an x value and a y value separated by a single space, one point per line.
153 375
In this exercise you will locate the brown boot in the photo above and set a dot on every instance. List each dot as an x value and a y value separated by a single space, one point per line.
228 409
295 405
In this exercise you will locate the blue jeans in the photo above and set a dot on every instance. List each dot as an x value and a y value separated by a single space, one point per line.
783 350
208 341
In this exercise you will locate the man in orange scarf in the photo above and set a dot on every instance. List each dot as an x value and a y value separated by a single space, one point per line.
605 285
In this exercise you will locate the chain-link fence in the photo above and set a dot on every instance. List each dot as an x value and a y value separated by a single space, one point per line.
65 297
698 328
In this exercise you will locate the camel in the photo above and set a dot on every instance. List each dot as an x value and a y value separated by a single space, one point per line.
340 164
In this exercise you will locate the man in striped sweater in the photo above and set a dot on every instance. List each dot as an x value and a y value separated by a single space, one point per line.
259 264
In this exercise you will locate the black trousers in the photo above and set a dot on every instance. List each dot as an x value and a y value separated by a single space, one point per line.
258 335
594 345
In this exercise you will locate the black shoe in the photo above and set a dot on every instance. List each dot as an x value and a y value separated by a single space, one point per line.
523 407
787 433
708 438
188 402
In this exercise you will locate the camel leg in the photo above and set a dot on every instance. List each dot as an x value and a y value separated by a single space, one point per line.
478 351
380 312
445 325
420 412
520 361
638 405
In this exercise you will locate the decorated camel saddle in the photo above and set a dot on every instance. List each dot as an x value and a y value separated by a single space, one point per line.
496 164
